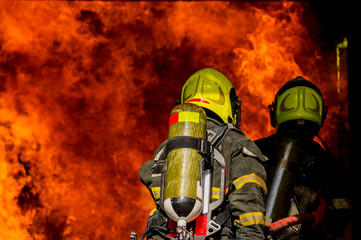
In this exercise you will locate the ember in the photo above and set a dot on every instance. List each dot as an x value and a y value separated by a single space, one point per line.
86 89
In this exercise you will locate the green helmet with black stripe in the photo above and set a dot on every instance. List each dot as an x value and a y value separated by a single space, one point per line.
298 101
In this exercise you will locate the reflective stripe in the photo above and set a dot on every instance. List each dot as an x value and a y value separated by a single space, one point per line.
197 100
215 193
152 212
251 218
251 178
156 192
340 203
183 117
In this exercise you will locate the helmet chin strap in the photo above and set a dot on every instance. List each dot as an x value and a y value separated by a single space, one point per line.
236 109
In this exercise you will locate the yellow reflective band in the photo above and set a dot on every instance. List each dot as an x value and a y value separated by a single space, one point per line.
188 117
152 212
251 218
251 178
340 203
156 192
215 193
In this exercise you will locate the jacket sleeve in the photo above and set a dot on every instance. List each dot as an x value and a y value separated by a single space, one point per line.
150 173
247 181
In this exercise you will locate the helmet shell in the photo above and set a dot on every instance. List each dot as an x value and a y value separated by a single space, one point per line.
299 99
210 89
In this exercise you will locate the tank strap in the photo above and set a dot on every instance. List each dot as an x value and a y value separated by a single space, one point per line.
201 145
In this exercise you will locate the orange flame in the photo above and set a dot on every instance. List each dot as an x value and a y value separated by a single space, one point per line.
86 89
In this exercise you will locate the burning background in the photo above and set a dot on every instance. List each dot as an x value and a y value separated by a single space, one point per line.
86 89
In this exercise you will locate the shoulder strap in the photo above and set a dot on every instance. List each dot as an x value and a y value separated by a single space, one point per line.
221 218
216 134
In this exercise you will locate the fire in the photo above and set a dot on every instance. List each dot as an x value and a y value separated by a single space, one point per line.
87 87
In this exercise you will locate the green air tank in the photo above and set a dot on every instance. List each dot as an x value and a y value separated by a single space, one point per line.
183 192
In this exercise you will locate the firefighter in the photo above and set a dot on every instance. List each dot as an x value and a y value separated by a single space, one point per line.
321 183
243 208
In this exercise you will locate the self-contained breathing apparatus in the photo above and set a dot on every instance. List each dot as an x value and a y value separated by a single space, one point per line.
186 182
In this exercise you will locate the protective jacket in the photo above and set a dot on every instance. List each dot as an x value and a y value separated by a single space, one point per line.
321 188
245 187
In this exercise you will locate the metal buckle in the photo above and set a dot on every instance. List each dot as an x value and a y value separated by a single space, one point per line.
215 226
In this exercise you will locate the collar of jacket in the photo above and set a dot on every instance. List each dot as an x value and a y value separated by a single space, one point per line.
211 122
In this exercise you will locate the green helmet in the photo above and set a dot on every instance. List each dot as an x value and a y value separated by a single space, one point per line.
214 92
300 100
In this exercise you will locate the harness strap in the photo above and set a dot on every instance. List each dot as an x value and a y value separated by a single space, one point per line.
156 222
222 217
